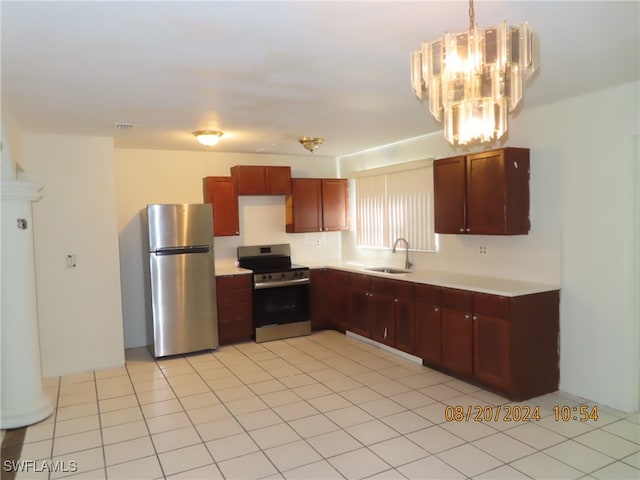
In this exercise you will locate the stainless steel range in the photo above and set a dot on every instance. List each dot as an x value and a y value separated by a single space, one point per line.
280 291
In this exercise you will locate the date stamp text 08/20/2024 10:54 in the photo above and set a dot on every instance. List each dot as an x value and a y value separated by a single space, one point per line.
517 413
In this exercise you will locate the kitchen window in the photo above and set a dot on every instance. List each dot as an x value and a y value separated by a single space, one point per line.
395 201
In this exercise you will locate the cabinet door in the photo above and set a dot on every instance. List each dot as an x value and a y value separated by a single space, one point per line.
382 308
358 305
340 299
428 337
498 192
449 195
222 194
278 180
235 323
491 351
457 341
335 204
304 206
252 179
405 318
486 195
323 299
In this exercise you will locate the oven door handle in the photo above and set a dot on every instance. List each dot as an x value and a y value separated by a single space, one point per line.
282 283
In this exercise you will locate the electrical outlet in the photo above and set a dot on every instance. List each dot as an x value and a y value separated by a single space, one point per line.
483 250
317 242
71 260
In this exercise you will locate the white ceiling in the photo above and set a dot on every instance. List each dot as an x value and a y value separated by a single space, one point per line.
267 73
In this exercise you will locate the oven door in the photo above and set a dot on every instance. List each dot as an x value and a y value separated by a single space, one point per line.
281 305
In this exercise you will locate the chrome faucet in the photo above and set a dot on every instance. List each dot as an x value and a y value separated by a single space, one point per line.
407 263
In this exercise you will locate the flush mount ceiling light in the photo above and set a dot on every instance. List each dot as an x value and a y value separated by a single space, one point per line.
208 137
311 143
472 79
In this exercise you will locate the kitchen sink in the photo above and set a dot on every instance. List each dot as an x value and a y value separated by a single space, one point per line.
388 270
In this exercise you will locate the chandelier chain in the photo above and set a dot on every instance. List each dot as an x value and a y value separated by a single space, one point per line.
472 15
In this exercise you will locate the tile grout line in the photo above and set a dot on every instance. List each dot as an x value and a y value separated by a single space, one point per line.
299 349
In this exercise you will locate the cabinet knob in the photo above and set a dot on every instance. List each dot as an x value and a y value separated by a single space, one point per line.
395 300
468 229
462 230
436 309
475 318
466 315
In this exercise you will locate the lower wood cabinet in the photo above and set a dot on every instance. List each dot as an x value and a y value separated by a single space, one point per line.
323 299
378 308
405 318
382 310
457 331
507 344
428 324
235 310
358 305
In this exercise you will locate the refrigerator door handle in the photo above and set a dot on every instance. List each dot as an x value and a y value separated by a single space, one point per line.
183 250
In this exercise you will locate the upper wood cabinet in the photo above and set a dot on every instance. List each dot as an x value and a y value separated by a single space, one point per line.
317 205
222 194
483 193
262 180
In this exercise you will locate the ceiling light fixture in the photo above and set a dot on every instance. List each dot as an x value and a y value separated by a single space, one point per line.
474 78
311 143
208 137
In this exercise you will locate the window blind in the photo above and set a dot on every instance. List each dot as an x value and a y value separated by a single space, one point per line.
395 202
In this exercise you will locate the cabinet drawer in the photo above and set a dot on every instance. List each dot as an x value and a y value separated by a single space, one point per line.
233 281
226 297
493 305
404 290
382 285
235 312
428 293
457 299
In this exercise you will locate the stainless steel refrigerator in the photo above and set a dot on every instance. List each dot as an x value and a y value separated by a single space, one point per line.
180 278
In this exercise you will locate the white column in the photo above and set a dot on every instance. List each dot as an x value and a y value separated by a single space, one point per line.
23 399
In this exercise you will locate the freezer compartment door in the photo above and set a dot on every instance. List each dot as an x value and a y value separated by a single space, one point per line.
183 302
179 225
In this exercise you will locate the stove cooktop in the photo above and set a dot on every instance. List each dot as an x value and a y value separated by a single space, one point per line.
267 258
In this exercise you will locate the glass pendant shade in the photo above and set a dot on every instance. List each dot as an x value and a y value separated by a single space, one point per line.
472 79
208 138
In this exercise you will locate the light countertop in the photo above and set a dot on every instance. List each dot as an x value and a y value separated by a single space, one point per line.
229 268
475 283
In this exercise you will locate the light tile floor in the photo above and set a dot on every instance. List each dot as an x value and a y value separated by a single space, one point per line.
325 406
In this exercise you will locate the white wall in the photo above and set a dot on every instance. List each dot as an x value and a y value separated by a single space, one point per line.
160 176
79 309
582 235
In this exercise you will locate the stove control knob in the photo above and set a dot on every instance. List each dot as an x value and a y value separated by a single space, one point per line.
282 275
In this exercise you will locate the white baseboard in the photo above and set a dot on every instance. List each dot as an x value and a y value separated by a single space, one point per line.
395 351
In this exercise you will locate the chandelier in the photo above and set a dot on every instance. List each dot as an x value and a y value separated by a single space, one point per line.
472 79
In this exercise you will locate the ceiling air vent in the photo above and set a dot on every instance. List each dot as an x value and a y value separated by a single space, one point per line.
125 126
